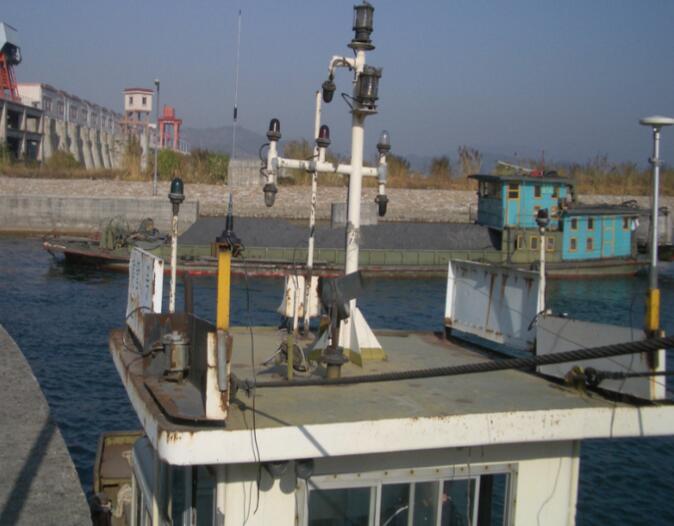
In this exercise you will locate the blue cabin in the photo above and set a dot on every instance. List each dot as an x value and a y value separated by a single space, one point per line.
595 232
514 200
508 206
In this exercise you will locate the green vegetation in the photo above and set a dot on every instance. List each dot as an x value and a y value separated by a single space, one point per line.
201 166
597 176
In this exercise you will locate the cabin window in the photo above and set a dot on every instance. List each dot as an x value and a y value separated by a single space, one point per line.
573 244
550 243
47 105
555 191
533 242
589 244
490 189
521 245
590 223
391 501
574 223
144 101
513 191
626 223
130 100
537 191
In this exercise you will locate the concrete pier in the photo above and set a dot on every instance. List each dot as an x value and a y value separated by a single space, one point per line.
39 484
51 214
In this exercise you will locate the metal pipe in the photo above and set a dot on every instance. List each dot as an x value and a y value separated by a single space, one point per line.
156 145
541 285
321 166
312 217
174 263
653 274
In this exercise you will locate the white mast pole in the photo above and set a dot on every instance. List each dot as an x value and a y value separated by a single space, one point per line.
236 89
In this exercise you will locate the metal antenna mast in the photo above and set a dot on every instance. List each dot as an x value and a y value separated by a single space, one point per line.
236 88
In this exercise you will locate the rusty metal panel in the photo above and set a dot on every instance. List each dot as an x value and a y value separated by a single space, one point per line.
493 302
555 334
146 281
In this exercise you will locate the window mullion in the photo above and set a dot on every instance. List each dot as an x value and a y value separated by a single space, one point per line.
410 513
476 498
375 518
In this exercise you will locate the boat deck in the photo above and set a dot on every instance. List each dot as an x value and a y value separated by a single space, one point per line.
39 484
312 421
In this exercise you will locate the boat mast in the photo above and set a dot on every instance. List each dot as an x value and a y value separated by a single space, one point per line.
235 114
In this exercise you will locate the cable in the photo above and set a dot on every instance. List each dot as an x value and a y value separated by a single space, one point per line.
256 445
652 344
566 338
127 331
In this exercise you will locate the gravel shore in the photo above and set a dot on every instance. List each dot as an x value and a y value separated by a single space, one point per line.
292 202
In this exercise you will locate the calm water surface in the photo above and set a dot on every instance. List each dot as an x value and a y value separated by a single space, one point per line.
61 317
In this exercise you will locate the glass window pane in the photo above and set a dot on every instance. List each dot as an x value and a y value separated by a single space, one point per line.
395 504
204 496
337 507
457 502
492 505
425 503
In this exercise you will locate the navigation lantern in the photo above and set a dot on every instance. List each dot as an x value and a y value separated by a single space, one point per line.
329 88
323 139
274 132
176 195
542 219
367 87
362 22
270 192
384 144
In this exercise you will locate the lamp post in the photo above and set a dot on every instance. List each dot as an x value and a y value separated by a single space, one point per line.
656 122
176 196
542 220
156 144
357 337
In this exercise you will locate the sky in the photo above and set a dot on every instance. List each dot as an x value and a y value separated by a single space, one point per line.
569 79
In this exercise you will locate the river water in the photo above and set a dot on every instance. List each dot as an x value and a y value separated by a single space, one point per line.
60 317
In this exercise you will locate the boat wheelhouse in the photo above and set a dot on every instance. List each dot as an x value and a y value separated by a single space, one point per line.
441 432
580 239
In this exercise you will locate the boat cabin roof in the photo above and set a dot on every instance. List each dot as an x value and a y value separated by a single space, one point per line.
549 177
602 210
407 414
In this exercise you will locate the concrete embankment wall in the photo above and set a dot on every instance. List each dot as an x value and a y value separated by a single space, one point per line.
39 484
49 213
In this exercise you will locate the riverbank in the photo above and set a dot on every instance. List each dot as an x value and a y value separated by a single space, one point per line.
292 202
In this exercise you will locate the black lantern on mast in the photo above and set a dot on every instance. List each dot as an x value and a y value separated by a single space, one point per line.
363 16
367 87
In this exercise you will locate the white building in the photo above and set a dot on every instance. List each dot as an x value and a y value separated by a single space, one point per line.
91 133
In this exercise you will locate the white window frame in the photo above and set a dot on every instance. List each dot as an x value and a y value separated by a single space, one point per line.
376 479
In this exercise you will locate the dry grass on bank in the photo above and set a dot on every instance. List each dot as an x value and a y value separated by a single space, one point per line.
596 177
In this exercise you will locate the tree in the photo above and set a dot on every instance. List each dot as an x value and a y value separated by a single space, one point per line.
441 167
398 167
470 160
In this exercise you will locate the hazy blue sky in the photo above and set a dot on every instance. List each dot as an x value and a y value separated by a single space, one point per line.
571 77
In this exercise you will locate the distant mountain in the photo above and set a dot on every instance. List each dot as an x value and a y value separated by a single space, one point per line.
220 140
